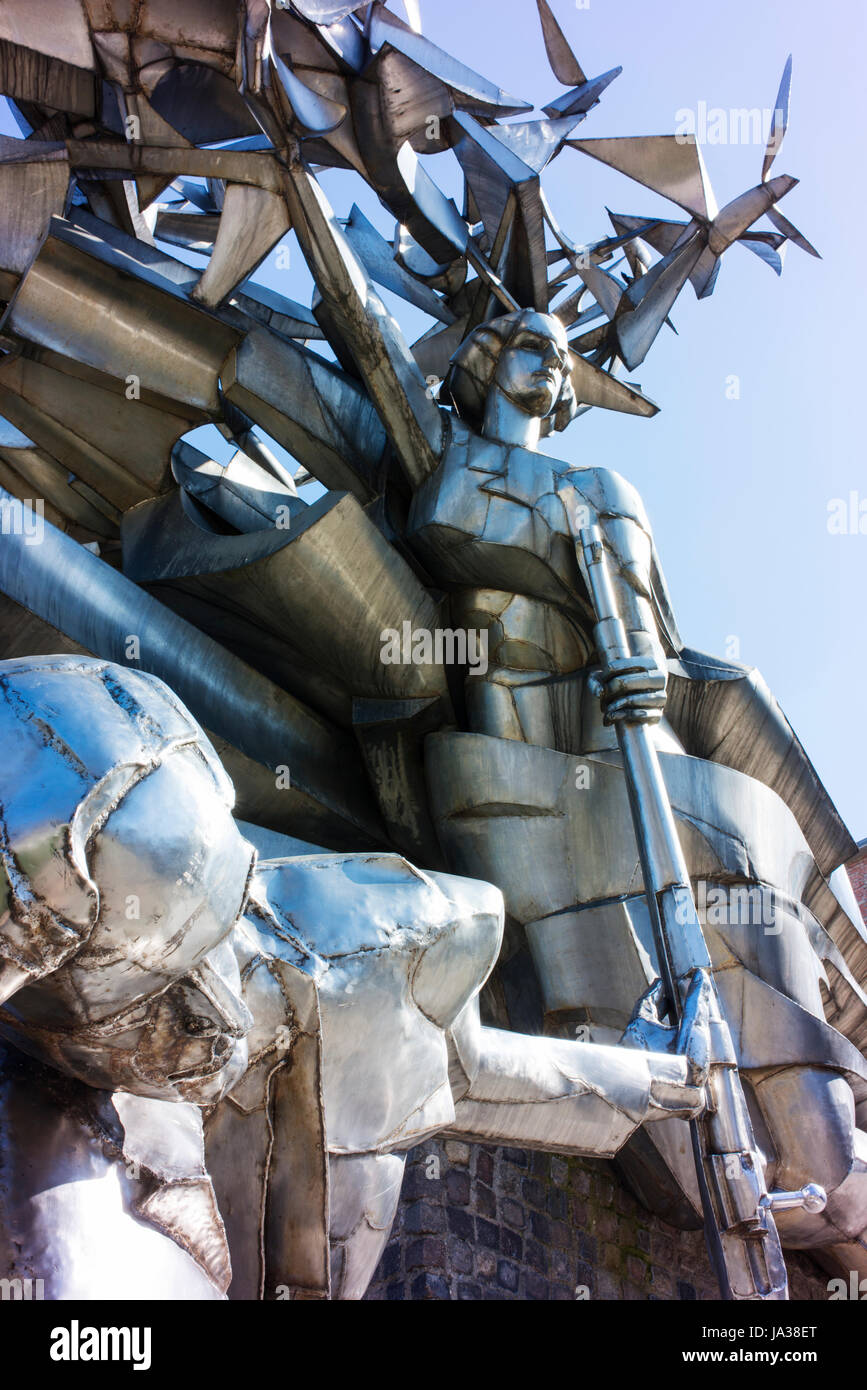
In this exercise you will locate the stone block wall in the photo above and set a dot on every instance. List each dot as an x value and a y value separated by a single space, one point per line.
505 1224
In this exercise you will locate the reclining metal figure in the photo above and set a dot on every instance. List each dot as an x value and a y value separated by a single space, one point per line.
213 1066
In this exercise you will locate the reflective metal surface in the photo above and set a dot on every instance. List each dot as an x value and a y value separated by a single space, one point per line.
405 666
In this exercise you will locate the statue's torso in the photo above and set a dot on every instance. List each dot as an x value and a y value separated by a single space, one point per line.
505 518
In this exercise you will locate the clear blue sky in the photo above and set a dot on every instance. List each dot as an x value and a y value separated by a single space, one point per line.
737 490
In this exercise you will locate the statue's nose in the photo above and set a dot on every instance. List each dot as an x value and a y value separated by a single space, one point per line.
216 1004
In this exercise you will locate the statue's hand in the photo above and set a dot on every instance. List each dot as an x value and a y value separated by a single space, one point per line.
679 1056
632 688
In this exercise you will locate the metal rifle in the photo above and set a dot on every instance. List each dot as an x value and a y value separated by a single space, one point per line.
740 1230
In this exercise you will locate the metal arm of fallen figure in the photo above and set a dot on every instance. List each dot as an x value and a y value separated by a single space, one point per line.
575 1097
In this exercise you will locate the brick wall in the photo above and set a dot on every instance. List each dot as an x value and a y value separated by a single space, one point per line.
495 1223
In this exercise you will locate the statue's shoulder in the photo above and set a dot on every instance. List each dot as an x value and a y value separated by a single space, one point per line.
608 492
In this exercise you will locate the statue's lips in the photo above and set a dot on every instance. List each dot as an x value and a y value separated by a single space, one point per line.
221 1054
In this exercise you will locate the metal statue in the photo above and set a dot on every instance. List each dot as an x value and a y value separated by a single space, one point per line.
232 1054
410 668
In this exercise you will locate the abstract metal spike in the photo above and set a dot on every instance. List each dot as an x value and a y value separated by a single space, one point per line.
434 351
668 165
703 276
783 225
765 252
378 257
317 114
653 295
494 171
198 194
743 211
664 236
327 11
251 223
535 142
439 210
413 15
580 100
564 64
461 80
607 291
345 39
593 386
780 121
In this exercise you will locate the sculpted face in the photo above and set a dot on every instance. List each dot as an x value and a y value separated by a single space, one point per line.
534 363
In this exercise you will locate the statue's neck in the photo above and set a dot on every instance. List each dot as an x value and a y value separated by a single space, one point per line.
509 425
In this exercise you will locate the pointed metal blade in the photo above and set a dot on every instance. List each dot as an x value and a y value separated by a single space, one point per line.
564 64
665 163
780 122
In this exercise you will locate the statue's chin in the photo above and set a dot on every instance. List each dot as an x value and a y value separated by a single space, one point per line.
536 401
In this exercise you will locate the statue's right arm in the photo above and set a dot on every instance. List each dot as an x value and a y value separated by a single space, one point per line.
393 379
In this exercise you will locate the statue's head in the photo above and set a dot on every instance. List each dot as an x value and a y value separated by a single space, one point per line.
525 355
122 875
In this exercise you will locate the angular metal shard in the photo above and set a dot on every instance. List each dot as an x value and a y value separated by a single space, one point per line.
783 225
780 120
180 363
345 39
199 194
564 64
664 163
593 386
494 172
535 142
607 291
435 350
275 311
413 15
119 447
316 114
765 253
202 105
29 76
193 231
308 405
251 223
703 276
34 179
328 11
241 493
472 91
378 257
439 210
580 100
655 293
742 212
42 476
52 27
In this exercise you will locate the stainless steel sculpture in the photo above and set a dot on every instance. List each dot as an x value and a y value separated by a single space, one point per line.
325 648
258 1042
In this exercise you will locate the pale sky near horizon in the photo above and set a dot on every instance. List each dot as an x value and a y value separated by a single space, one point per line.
738 490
